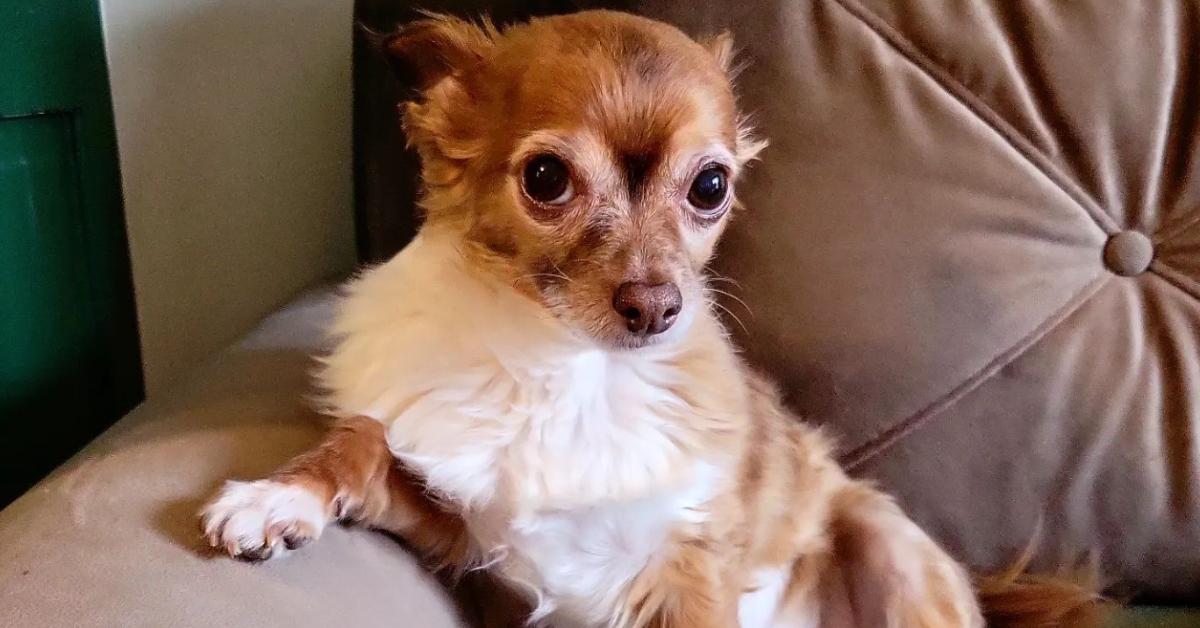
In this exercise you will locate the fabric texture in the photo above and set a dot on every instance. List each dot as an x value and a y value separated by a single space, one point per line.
112 539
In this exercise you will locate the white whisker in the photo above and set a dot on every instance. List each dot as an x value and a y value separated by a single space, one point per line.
735 298
732 315
717 276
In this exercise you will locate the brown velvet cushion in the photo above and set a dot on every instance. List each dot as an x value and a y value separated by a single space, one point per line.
973 251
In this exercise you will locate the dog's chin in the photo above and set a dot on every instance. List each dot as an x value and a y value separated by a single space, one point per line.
610 335
622 340
614 335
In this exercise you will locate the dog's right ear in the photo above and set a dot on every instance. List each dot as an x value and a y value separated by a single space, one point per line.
436 47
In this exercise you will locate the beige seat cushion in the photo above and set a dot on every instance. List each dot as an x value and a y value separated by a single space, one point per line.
111 538
973 251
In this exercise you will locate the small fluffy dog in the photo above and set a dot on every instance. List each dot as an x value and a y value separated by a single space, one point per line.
538 385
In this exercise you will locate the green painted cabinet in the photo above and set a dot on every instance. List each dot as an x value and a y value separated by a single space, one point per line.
69 362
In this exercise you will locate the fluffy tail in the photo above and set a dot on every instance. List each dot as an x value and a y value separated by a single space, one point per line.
1016 599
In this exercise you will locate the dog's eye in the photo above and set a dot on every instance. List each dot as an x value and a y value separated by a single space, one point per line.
709 189
547 180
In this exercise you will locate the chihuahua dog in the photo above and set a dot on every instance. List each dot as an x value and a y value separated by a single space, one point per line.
538 385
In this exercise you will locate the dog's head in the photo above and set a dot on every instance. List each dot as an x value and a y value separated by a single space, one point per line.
589 159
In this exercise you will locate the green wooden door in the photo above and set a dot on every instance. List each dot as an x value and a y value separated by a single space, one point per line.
69 361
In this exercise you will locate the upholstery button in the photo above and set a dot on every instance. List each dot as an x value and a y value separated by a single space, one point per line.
1128 253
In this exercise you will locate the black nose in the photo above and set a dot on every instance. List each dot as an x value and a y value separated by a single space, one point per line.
647 309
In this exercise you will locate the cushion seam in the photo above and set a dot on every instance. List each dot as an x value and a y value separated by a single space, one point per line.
1173 276
1170 232
884 440
980 110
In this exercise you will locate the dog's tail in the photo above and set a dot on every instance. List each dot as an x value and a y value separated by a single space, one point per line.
1016 598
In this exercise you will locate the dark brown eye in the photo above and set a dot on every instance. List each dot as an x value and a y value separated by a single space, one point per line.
709 189
547 180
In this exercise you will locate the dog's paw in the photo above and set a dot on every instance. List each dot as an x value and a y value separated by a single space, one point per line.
253 520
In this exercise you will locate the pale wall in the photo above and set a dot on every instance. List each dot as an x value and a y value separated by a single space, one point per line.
233 119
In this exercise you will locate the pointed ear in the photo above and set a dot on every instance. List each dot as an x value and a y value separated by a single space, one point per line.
724 52
721 47
749 142
431 49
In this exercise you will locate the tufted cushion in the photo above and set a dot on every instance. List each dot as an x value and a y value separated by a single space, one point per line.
973 251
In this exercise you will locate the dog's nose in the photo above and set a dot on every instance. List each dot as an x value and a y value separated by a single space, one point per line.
647 309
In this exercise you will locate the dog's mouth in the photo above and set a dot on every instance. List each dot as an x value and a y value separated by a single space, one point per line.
631 342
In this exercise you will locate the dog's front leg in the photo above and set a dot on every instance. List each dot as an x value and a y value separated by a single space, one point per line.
350 476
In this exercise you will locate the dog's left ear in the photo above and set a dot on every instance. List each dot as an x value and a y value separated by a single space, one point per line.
724 52
721 47
437 47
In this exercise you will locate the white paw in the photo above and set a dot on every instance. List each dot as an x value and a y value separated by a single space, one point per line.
251 520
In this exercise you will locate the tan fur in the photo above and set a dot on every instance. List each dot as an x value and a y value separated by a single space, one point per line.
621 99
1018 599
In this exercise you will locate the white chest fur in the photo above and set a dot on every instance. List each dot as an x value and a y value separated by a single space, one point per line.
572 464
573 475
576 563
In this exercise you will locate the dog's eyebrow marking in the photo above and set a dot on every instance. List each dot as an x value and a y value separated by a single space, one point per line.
637 167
